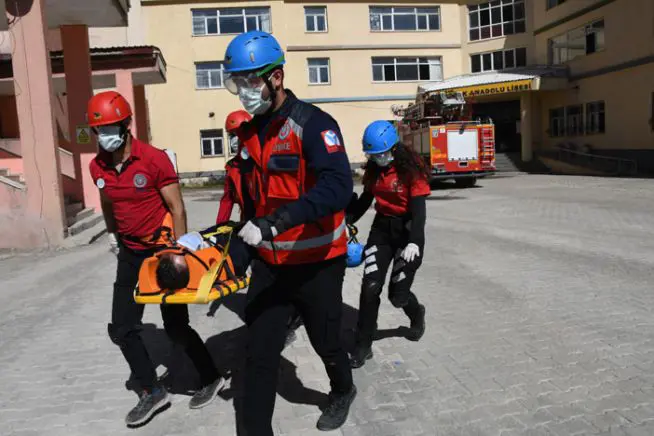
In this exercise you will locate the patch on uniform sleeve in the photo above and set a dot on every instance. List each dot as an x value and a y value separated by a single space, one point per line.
332 142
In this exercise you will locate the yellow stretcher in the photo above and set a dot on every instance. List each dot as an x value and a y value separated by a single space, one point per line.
211 275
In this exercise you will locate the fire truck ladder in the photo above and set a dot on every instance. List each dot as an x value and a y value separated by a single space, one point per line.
488 146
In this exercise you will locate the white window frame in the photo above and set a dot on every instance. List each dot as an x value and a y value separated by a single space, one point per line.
208 72
392 11
431 61
318 68
564 39
504 53
503 23
214 140
245 12
314 16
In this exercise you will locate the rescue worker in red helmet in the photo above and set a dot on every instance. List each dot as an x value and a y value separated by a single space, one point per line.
143 207
301 184
233 189
398 180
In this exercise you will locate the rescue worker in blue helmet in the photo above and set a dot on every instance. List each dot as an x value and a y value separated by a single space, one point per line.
397 179
301 184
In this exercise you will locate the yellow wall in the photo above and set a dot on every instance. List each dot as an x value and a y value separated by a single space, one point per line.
627 97
629 36
178 111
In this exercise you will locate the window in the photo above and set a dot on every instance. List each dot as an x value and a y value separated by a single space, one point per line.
557 122
406 69
209 75
230 20
496 18
212 142
553 3
595 117
318 71
569 121
315 18
577 42
574 117
402 19
498 60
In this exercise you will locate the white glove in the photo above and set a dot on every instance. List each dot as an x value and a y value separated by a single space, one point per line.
410 252
113 243
192 240
251 234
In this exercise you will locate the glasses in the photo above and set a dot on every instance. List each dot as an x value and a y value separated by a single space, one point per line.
251 79
234 82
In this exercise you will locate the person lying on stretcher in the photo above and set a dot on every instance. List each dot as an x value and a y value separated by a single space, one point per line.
173 270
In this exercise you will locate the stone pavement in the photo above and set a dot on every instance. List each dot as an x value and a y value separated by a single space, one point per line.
540 322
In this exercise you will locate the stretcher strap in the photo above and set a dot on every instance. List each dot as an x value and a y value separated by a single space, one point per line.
208 279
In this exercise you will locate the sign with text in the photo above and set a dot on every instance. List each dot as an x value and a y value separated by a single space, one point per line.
495 88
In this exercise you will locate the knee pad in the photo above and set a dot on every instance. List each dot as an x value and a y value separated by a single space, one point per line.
399 300
371 289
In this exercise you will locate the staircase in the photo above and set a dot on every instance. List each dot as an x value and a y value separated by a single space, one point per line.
506 162
79 218
15 180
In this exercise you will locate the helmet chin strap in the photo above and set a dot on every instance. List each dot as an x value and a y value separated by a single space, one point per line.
271 90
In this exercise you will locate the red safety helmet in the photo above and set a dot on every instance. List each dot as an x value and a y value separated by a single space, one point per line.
106 108
235 119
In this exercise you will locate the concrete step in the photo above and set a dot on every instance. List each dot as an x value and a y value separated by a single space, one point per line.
86 232
506 162
85 223
73 209
79 216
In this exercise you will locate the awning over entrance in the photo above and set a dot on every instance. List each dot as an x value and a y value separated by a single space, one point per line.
146 64
501 82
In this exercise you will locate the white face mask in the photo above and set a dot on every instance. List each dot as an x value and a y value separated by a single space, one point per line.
252 100
382 159
109 138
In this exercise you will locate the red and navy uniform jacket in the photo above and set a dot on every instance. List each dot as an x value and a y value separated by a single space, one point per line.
394 198
142 218
301 175
232 192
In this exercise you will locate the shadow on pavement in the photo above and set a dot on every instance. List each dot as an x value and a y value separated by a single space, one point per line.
228 352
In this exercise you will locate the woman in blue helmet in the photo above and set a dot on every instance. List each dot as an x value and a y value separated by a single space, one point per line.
398 180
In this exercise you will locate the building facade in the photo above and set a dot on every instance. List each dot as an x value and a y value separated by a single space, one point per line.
548 72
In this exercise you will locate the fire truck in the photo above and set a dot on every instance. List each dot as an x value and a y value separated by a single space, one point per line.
440 128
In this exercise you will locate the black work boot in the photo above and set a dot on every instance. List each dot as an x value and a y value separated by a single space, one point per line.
417 328
149 403
337 409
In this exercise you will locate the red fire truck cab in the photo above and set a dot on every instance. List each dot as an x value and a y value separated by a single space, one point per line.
454 145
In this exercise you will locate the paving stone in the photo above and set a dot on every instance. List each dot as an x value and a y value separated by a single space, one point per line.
538 297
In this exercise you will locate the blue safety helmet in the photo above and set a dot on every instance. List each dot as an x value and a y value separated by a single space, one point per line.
354 254
379 136
253 50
